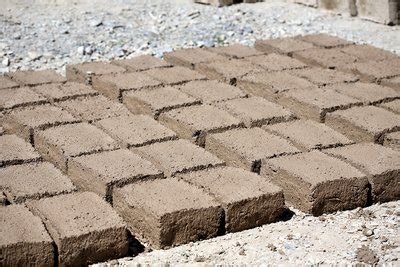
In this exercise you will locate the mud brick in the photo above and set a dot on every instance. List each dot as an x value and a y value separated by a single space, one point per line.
6 82
229 70
114 85
369 93
94 108
382 11
368 52
196 122
61 92
317 183
31 78
236 51
364 124
325 41
167 212
15 150
85 229
101 173
381 164
141 63
24 239
19 97
327 58
248 199
392 140
33 181
276 62
392 82
339 6
178 156
84 72
284 46
393 106
261 112
245 148
316 103
189 58
322 77
156 101
175 75
376 71
211 91
136 130
270 85
25 122
60 144
307 134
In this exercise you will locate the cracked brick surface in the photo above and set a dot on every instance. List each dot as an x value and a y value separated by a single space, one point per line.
15 150
393 106
6 82
392 140
19 97
61 92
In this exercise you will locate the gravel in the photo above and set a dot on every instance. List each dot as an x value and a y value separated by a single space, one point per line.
43 36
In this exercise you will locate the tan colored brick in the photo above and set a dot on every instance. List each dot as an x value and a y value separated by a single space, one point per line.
322 77
327 58
393 106
392 82
19 97
6 82
31 78
15 150
392 140
66 91
190 58
84 72
376 71
284 46
236 51
382 11
175 75
141 63
325 41
368 52
276 62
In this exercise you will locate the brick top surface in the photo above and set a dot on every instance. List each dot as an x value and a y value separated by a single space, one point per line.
191 56
136 130
393 106
367 92
392 82
329 58
324 76
165 196
211 91
116 166
94 108
236 51
276 62
370 118
315 167
15 149
308 134
261 112
58 92
175 75
6 82
37 77
229 184
130 81
283 46
19 225
77 139
141 63
326 41
17 97
76 214
178 156
378 70
96 68
33 181
254 144
232 68
368 52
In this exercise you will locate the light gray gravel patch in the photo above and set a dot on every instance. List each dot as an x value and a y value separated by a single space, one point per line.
51 34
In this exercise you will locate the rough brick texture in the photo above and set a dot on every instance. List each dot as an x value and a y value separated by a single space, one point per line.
141 63
276 62
236 51
325 41
392 82
376 71
175 75
19 97
284 46
368 52
6 82
85 72
393 106
65 91
31 78
190 58
392 140
15 150
322 77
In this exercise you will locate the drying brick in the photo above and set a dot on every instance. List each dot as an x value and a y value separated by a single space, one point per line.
6 82
362 124
25 122
24 240
211 91
19 97
196 122
368 52
284 46
15 150
33 181
32 78
168 212
236 51
245 148
307 134
136 130
248 199
392 140
84 72
153 102
316 183
175 75
392 82
178 156
61 92
261 112
276 62
191 57
85 229
102 172
393 106
327 58
94 108
323 77
114 85
376 71
325 41
141 63
59 144
316 103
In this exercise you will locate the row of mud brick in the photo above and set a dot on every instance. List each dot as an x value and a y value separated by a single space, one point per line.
205 142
